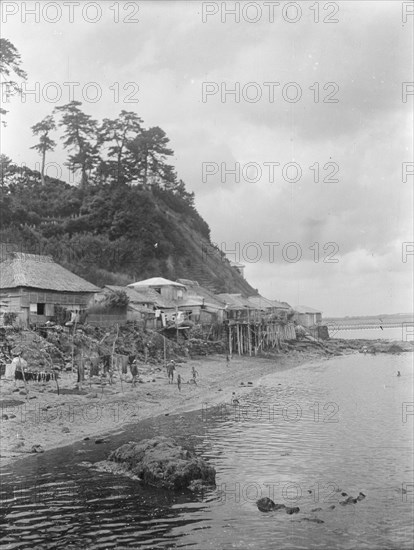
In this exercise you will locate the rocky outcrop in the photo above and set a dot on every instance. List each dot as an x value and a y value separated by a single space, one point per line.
267 505
163 463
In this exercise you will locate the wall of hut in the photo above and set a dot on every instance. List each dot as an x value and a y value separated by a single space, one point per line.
36 307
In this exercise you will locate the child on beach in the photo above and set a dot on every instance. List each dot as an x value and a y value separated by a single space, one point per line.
195 374
179 381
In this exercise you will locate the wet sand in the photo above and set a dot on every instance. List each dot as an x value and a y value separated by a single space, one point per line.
44 418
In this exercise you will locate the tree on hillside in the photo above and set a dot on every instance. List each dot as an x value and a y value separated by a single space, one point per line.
45 143
184 194
80 135
10 61
119 133
148 153
5 164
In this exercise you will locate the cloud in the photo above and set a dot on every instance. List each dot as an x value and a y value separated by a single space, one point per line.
361 140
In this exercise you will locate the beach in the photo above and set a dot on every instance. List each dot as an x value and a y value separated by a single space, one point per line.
47 420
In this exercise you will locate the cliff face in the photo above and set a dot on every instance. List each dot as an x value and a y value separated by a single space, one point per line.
113 234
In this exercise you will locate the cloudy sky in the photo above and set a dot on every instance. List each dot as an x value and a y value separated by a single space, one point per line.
314 88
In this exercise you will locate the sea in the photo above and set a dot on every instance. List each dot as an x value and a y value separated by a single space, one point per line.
308 437
405 332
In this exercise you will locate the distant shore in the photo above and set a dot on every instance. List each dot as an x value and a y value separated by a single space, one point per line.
43 418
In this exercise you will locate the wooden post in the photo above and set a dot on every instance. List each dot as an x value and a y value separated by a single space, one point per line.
81 371
24 378
176 324
230 346
113 353
250 341
241 338
165 352
73 340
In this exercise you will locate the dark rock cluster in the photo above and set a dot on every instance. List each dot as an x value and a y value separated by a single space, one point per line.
163 463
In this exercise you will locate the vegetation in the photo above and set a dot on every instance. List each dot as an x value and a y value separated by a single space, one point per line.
130 216
10 67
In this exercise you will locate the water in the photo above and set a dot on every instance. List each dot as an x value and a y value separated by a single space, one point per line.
404 332
329 426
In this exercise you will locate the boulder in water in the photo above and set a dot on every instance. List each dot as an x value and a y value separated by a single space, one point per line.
294 510
163 463
265 504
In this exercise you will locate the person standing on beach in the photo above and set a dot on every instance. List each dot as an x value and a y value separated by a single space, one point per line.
134 372
195 374
170 372
179 381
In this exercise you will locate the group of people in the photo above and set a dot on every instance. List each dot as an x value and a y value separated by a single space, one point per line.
105 365
170 372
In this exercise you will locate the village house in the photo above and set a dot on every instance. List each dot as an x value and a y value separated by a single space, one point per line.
170 294
167 289
307 316
33 286
239 308
201 305
144 304
270 307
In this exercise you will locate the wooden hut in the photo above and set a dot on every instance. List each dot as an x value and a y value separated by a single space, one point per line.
33 285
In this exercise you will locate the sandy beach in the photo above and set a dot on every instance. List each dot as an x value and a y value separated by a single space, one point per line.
43 418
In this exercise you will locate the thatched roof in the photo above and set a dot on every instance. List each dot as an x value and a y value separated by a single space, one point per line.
40 272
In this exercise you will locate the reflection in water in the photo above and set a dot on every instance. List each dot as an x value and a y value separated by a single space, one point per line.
302 437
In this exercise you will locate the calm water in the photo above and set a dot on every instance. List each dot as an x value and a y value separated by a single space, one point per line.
330 426
404 332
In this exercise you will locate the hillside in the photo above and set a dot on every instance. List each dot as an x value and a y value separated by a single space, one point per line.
112 234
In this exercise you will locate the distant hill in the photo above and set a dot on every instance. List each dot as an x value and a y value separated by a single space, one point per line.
113 234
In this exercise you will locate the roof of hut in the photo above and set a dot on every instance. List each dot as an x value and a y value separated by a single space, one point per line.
41 272
306 309
157 282
144 296
236 301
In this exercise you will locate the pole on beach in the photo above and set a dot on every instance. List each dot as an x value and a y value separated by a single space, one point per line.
73 340
165 352
24 378
176 324
113 354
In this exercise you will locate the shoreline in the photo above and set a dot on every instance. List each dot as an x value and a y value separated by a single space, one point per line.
70 418
43 418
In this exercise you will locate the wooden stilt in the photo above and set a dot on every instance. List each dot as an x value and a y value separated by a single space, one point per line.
250 339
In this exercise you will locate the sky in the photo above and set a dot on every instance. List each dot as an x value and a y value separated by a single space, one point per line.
291 122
